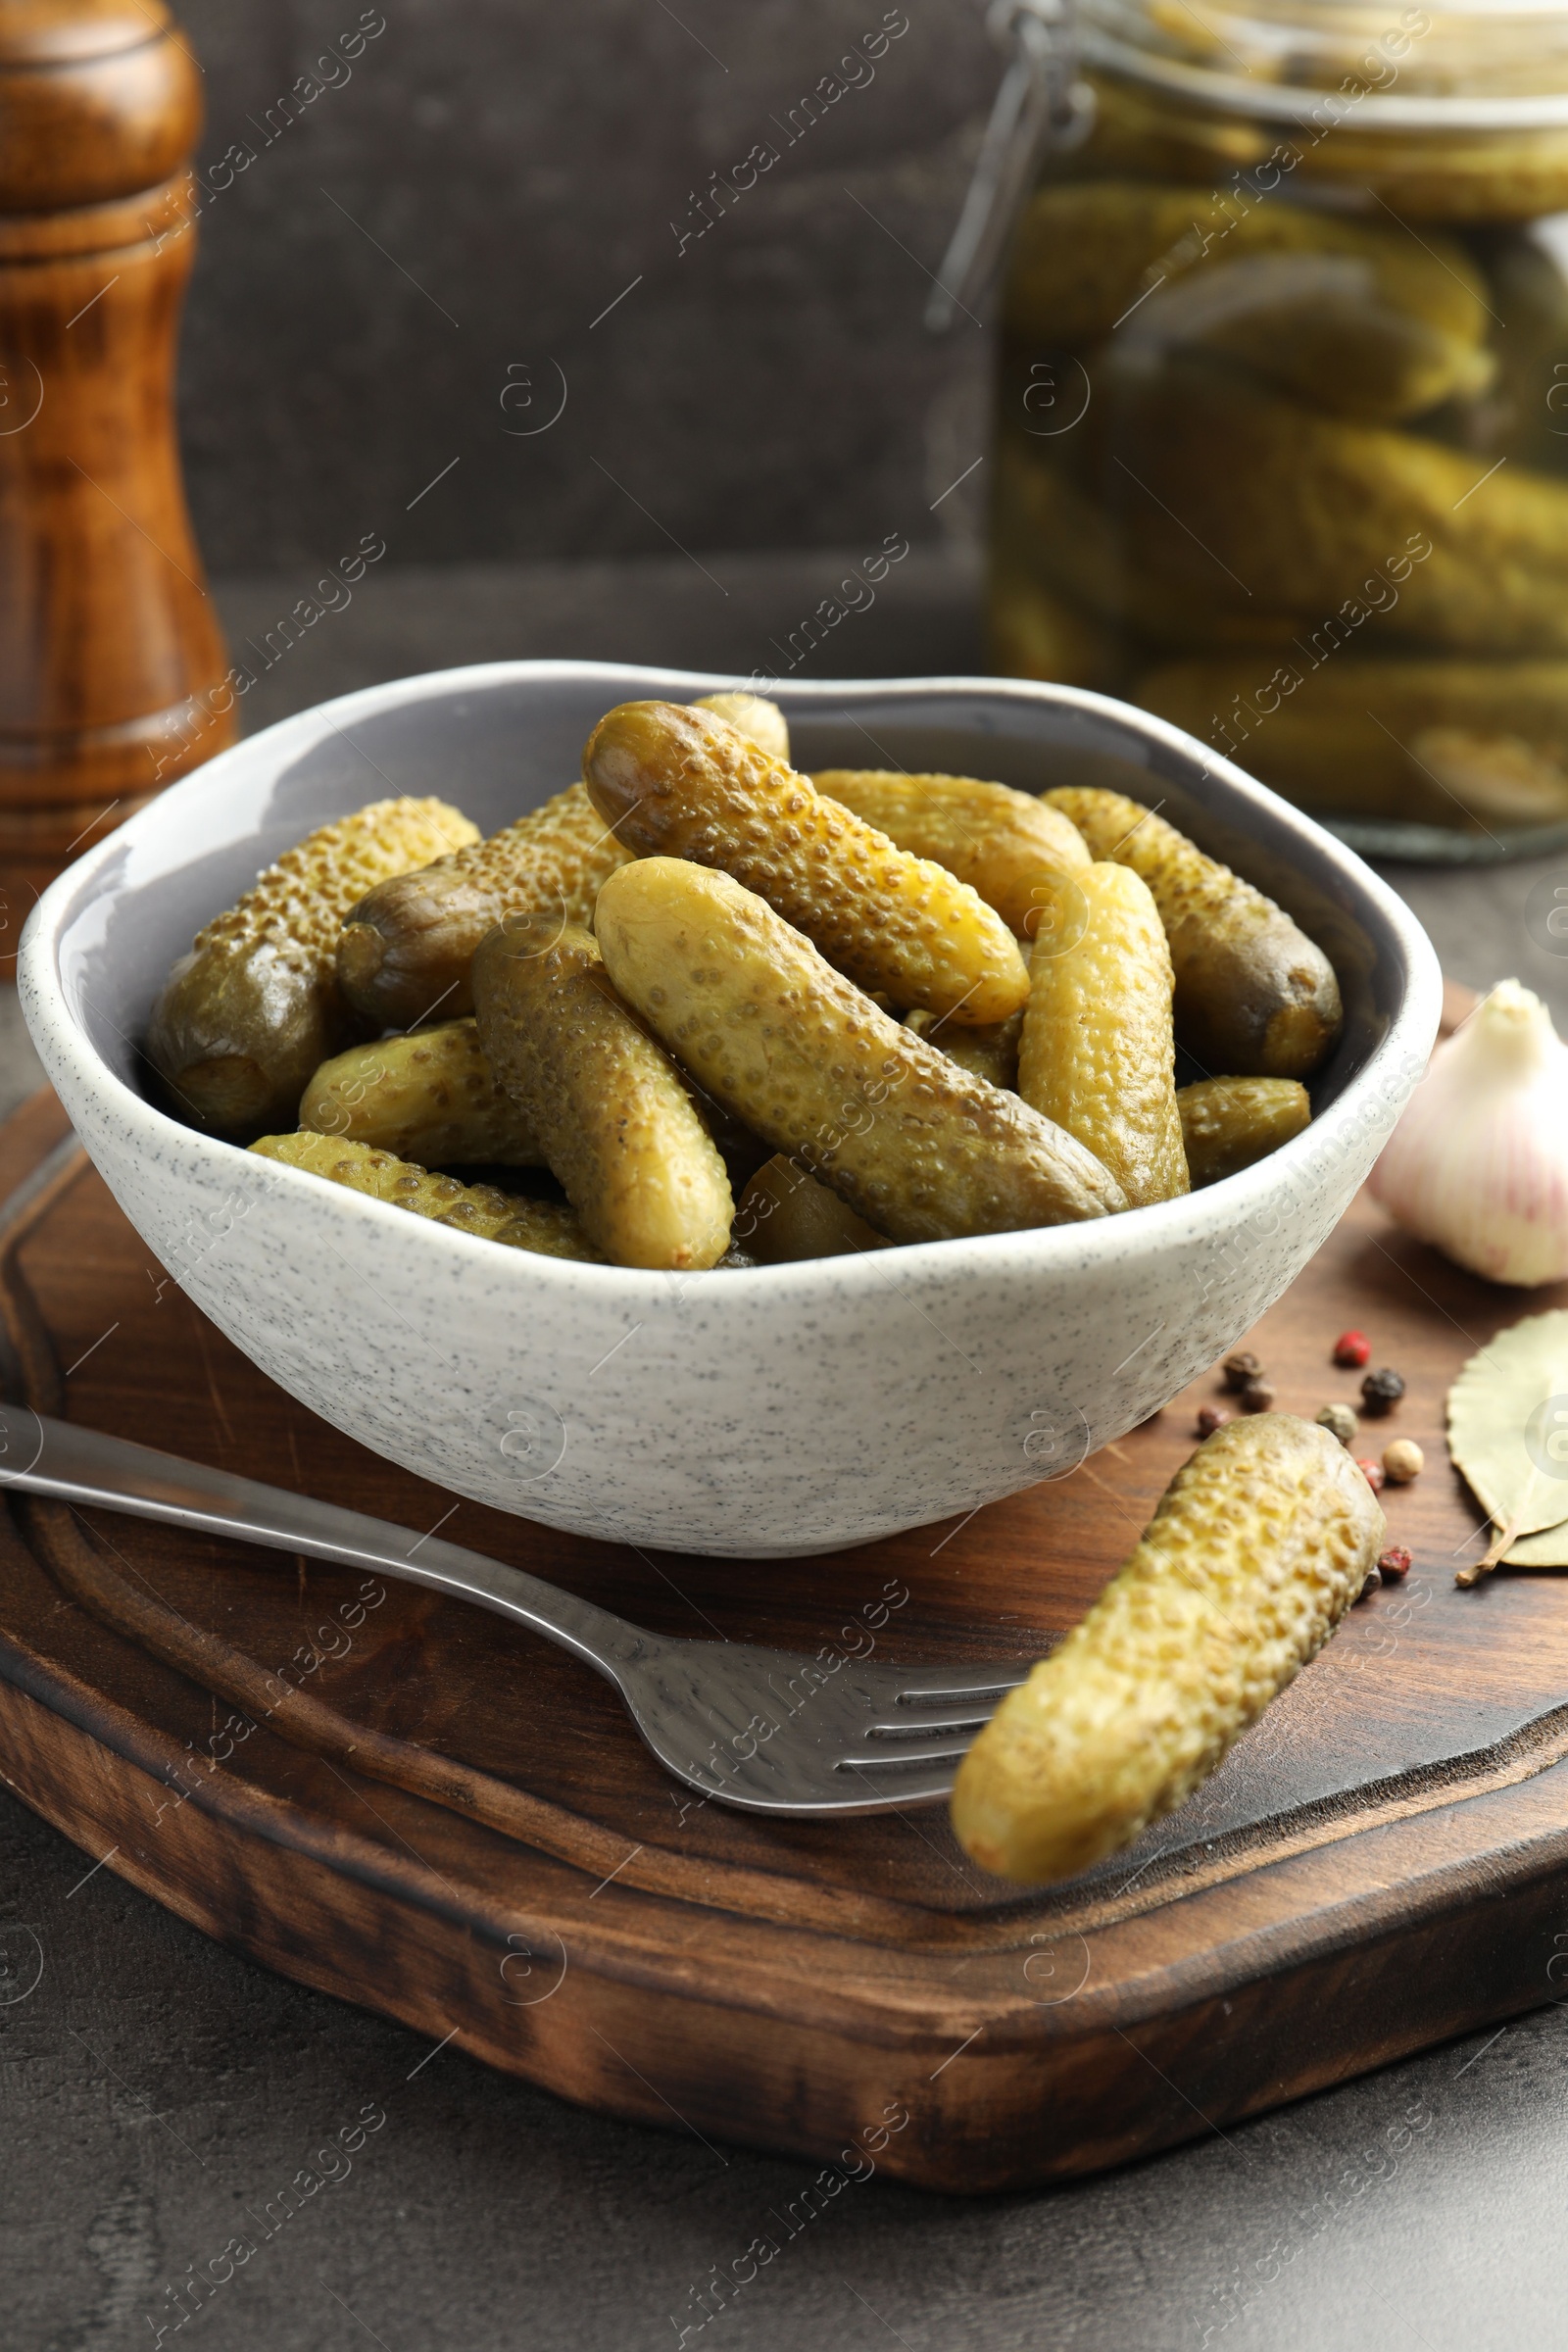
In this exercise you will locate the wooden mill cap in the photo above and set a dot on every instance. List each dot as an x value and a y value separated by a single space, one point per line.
98 99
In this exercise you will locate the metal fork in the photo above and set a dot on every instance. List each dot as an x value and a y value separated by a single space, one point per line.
770 1731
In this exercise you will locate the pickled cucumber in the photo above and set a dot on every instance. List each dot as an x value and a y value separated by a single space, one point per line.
1228 1123
991 1053
754 715
1099 1052
1259 1547
999 840
1355 317
916 1146
430 1097
1051 530
1033 633
544 1226
406 948
1433 740
254 1008
1254 996
1434 174
784 1215
614 1119
679 782
1246 495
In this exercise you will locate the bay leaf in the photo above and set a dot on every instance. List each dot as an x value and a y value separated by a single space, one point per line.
1547 1549
1508 1426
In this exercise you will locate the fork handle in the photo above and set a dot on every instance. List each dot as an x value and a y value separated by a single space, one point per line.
41 1456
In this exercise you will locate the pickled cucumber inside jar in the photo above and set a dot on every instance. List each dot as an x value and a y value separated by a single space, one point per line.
1282 446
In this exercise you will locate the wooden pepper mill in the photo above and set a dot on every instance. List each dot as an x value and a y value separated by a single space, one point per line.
112 663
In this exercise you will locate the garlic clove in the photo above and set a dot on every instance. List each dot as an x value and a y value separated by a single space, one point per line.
1478 1165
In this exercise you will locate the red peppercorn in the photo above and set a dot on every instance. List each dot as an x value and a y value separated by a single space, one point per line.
1209 1418
1396 1561
1352 1347
1373 1473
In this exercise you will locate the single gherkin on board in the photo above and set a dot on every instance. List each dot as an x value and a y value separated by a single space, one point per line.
1508 1438
1097 1055
255 1008
919 1147
615 1117
544 1226
682 783
1353 316
1260 1544
1254 996
1229 1123
1003 844
430 1097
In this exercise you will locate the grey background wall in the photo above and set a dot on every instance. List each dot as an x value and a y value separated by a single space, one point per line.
484 178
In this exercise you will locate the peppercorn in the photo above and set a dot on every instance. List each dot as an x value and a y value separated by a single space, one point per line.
1403 1460
1341 1418
1396 1561
1371 1585
1241 1368
1351 1349
1209 1418
1380 1390
1372 1472
1257 1397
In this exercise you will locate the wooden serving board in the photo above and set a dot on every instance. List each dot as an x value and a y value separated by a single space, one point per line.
407 1804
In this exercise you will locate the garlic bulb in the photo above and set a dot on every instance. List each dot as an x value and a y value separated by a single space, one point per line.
1478 1166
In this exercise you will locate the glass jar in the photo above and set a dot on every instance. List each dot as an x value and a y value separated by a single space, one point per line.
1282 447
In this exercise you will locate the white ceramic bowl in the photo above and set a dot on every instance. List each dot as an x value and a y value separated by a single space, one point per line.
784 1410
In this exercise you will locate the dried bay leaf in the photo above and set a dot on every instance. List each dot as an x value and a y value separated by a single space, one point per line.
1509 1428
1547 1550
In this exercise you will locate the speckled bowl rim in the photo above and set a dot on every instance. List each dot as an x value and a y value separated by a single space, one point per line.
1098 1243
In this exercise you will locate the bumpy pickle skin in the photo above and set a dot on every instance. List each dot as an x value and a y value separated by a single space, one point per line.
763 722
1229 1123
541 1226
614 1118
680 783
1346 523
430 1097
999 840
921 1148
1354 316
254 1007
1097 1055
991 1053
784 1215
1255 998
1260 1544
405 950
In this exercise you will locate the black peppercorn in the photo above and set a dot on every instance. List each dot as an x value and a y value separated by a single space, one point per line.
1382 1391
1257 1398
1241 1369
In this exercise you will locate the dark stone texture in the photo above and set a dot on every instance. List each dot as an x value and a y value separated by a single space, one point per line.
520 164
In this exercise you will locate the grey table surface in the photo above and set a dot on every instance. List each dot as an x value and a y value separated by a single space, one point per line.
156 2088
